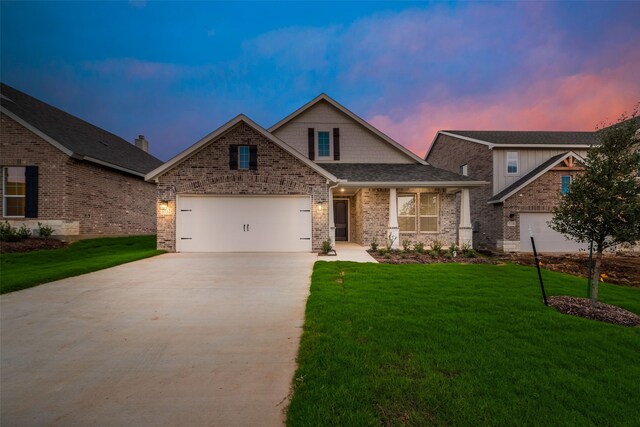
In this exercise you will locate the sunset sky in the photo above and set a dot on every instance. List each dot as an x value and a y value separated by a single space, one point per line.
176 71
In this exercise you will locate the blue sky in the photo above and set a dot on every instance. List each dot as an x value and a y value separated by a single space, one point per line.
176 71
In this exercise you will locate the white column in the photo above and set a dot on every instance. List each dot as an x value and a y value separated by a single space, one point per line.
332 224
465 232
394 231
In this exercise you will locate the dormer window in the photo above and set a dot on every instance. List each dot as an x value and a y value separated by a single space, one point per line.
324 144
512 163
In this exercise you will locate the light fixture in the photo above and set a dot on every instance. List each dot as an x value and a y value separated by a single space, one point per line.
342 189
320 207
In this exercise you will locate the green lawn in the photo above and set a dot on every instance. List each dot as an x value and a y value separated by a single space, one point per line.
453 344
24 270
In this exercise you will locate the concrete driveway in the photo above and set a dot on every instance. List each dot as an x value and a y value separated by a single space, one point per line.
179 339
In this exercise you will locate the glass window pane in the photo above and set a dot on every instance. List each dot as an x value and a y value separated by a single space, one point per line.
406 205
323 144
14 181
407 223
14 206
428 223
243 157
512 162
428 204
566 184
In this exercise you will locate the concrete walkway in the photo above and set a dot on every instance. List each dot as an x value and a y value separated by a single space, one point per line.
347 251
179 339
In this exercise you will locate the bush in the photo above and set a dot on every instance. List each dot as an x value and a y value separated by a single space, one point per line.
406 244
374 244
418 247
436 246
467 251
448 255
23 232
434 254
8 233
44 230
390 241
454 250
326 246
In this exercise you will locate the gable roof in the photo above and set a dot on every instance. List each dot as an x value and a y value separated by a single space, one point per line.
221 131
326 98
74 136
532 176
397 174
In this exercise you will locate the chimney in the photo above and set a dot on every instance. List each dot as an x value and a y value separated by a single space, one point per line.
142 143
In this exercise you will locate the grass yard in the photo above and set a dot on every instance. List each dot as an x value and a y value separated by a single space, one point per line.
24 270
452 344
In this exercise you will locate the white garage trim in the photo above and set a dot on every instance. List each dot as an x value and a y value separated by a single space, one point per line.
243 223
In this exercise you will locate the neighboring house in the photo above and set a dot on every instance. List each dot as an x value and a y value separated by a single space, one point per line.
320 173
528 173
69 174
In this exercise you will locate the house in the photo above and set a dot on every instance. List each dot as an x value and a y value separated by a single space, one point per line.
528 172
320 173
63 172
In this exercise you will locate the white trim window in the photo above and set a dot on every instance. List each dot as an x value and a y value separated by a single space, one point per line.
407 213
429 212
244 157
565 184
324 144
13 191
464 169
512 163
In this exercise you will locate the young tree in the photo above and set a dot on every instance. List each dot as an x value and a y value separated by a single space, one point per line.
603 205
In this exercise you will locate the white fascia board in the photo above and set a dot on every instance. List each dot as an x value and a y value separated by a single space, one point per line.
112 166
223 129
353 116
536 176
466 138
37 131
388 184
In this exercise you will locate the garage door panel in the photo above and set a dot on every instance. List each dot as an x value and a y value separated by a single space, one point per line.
243 224
547 239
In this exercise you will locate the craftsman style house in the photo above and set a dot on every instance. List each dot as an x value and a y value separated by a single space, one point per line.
61 171
320 173
527 171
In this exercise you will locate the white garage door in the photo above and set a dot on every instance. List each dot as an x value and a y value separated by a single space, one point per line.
243 224
547 239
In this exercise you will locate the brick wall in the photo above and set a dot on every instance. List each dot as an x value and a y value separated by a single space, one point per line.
77 197
207 172
450 153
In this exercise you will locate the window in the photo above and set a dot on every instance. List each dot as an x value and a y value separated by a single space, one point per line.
566 184
324 146
464 170
243 157
407 213
512 162
13 191
428 212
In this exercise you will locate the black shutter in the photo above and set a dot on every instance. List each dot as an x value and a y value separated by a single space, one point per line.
31 194
312 152
253 157
233 157
336 143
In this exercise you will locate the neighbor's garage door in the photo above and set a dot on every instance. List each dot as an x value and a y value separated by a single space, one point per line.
547 239
243 224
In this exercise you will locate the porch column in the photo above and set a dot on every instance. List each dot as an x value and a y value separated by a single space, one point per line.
394 230
332 224
465 232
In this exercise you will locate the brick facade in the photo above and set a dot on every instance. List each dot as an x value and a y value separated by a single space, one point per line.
451 153
207 172
77 198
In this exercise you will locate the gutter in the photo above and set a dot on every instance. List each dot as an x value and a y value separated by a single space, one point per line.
387 184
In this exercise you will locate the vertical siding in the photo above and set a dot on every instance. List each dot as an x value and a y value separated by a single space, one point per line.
357 144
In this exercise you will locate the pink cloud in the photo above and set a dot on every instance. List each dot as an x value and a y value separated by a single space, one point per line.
574 102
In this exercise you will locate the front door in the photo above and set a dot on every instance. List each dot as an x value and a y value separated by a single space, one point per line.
341 219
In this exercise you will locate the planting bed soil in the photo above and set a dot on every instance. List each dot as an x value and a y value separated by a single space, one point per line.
623 269
31 244
582 307
397 257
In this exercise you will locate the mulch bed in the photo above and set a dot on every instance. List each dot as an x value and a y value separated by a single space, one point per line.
31 244
414 258
621 269
582 307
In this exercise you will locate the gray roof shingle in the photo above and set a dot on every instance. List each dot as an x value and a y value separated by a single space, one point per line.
80 137
529 137
392 172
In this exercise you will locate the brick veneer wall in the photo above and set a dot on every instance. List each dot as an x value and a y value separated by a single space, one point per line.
77 197
207 172
450 153
539 196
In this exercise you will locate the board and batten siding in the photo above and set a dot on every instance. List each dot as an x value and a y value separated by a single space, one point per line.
528 159
357 144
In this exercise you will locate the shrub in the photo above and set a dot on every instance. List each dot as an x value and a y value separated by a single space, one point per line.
8 233
454 250
326 246
418 247
448 255
467 251
23 232
436 246
44 230
406 244
390 241
433 254
374 244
